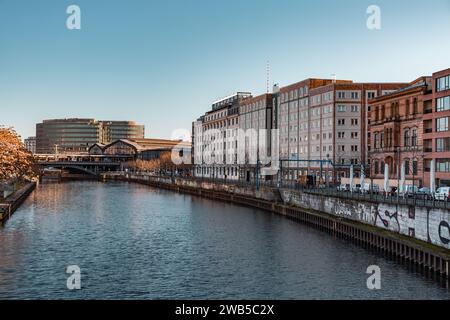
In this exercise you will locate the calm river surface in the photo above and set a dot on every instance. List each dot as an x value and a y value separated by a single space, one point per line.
136 242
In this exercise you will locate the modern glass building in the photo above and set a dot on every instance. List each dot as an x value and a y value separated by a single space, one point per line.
115 130
62 136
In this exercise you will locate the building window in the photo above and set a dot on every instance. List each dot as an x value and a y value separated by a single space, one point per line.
341 108
395 109
355 95
414 138
406 138
407 111
442 144
442 124
415 106
389 137
375 140
376 167
443 104
354 108
443 83
406 167
443 165
414 167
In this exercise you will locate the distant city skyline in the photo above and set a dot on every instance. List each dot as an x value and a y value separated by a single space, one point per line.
163 64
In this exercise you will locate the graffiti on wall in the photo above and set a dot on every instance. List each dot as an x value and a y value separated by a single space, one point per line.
427 224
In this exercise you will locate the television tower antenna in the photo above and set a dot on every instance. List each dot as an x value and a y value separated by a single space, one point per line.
267 76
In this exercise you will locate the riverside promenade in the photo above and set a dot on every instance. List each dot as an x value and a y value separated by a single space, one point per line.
9 205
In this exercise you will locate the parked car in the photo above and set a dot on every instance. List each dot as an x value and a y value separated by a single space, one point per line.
356 188
368 188
344 187
442 193
424 193
409 191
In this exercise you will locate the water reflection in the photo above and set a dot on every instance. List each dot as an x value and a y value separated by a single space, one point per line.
135 242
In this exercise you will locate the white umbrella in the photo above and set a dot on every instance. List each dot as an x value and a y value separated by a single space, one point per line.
402 177
386 177
351 178
432 176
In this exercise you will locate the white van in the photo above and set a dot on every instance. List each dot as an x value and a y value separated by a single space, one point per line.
408 191
442 193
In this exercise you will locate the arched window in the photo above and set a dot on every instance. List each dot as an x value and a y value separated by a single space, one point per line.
406 138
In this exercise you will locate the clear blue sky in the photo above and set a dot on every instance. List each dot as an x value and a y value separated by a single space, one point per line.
162 63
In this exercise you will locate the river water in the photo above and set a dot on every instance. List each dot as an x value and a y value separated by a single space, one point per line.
136 242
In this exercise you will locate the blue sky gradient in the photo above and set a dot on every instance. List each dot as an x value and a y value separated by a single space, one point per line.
162 63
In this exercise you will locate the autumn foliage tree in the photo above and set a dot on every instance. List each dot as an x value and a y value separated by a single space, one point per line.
16 163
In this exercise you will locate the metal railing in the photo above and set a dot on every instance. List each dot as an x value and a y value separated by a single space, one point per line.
330 190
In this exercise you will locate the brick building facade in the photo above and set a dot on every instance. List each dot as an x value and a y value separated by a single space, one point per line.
396 130
436 138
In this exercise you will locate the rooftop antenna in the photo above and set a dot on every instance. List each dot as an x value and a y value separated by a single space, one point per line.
334 77
267 76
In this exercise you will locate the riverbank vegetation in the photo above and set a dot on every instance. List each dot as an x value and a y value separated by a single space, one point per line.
17 165
162 164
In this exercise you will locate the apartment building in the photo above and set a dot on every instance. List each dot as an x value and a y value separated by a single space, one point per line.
294 124
215 149
323 126
255 120
436 136
30 144
397 128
